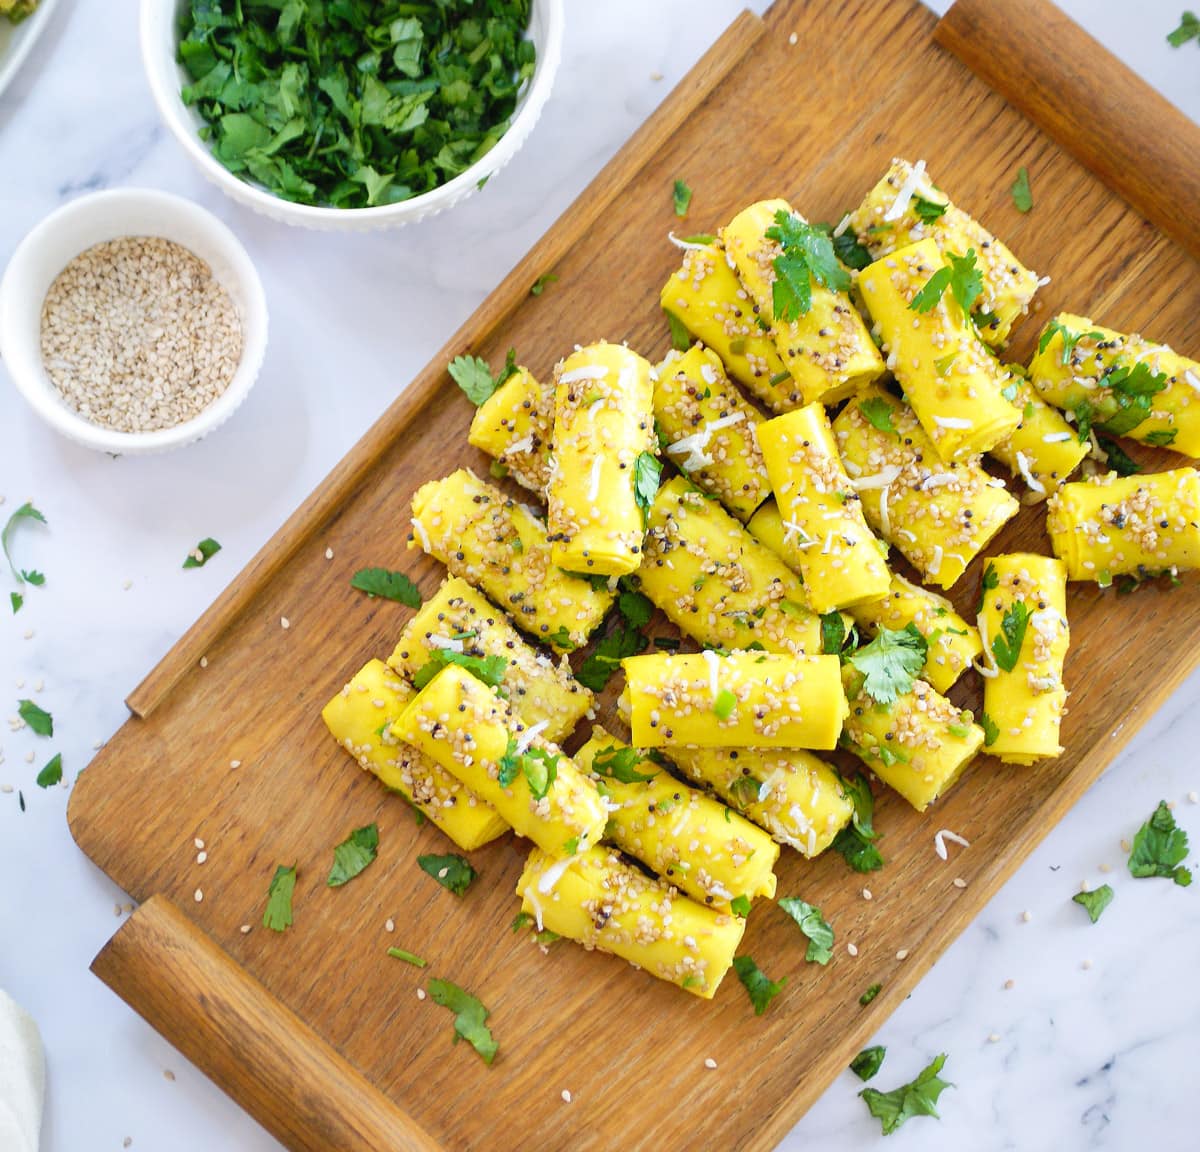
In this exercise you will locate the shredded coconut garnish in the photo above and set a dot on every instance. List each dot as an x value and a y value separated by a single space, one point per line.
584 372
1031 481
843 224
904 196
422 535
937 480
525 444
708 373
552 876
725 421
1055 437
884 478
989 669
935 565
828 544
792 529
714 668
594 408
594 485
885 523
529 735
952 422
447 642
685 244
939 842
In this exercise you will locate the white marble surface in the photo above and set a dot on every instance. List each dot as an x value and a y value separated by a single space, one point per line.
1102 1057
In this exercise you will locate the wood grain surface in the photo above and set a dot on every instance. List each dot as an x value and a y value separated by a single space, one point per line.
816 122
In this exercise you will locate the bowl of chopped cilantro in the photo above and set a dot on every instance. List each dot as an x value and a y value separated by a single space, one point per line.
351 114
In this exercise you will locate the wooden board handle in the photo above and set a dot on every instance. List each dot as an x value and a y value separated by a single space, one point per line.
1088 102
241 1037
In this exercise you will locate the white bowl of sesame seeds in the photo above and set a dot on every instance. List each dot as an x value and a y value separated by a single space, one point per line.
132 321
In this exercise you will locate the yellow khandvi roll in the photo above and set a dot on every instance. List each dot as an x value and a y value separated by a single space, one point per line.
458 722
827 349
498 545
826 537
718 584
1043 449
791 794
691 840
545 695
1024 621
603 425
1124 385
360 718
709 429
1127 526
918 744
514 426
905 207
706 297
953 382
742 700
940 516
598 900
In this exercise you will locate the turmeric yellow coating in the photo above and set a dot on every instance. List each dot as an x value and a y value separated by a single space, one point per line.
828 350
709 429
515 426
689 839
605 904
1043 450
1025 697
360 718
950 377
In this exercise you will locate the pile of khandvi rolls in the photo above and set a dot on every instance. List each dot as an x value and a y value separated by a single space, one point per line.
830 404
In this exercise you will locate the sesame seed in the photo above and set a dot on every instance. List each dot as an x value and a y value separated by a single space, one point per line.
28 757
127 585
198 842
235 763
40 686
284 623
1124 845
6 788
959 882
97 745
168 1074
201 857
710 1063
902 954
566 1095
656 76
389 925
994 1038
328 553
1193 797
852 948
866 893
116 909
1009 985
245 929
420 993
1086 965
29 634
1105 867
793 38
198 895
1026 916
203 661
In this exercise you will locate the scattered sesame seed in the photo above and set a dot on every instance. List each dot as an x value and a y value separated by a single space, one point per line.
420 993
126 907
852 948
1026 916
566 1095
116 909
245 929
201 857
235 763
198 842
284 623
127 585
198 895
1124 845
21 683
203 661
709 1062
328 553
97 745
1105 867
994 1038
28 633
6 788
866 893
1009 985
168 1074
389 925
656 76
959 882
40 686
28 757
1086 965
1194 797
793 38
902 954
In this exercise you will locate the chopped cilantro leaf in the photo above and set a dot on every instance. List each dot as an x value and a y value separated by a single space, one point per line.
1069 339
990 580
806 256
1189 29
388 585
1129 403
407 957
621 764
739 905
1160 848
991 730
452 871
1022 194
760 990
647 472
878 413
1121 463
1162 438
681 338
540 284
856 841
278 913
52 773
846 247
681 196
474 377
868 1062
1095 902
870 994
27 512
353 855
917 1098
926 300
40 722
624 640
202 553
966 281
891 662
724 704
16 599
470 1017
1006 648
489 669
928 210
539 767
814 925
833 633
635 608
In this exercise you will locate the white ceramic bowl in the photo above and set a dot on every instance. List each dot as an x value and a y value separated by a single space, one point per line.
91 220
159 37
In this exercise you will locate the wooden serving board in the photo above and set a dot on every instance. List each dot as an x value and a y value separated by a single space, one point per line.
316 1031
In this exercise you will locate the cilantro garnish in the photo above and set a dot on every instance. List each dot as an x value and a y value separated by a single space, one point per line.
353 855
540 284
990 580
681 338
388 585
489 669
452 871
917 1098
1130 401
26 512
1160 848
891 662
870 994
1118 460
39 720
543 937
1095 902
807 255
624 640
278 913
1162 438
739 905
814 925
928 210
16 600
647 472
539 767
846 247
52 773
760 990
724 704
1189 29
1007 647
407 957
635 608
833 633
878 413
470 1017
202 553
621 764
868 1062
1022 194
473 375
856 842
353 105
991 730
682 196
1069 339
961 277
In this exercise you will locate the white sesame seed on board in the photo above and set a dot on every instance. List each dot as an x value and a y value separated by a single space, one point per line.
1009 985
866 893
566 1095
168 1074
389 925
28 757
6 788
97 745
203 661
852 948
1106 867
201 857
29 633
420 993
235 763
710 1063
959 882
1026 916
1086 965
40 686
994 1038
793 38
245 929
198 842
284 623
328 553
198 895
902 954
1193 797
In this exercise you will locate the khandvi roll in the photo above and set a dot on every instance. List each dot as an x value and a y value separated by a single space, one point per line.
1043 449
603 903
826 537
940 516
691 840
918 744
791 794
1122 385
543 694
498 545
1024 624
706 298
709 430
742 700
905 207
360 717
953 382
818 332
603 427
716 583
456 721
514 426
1127 526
